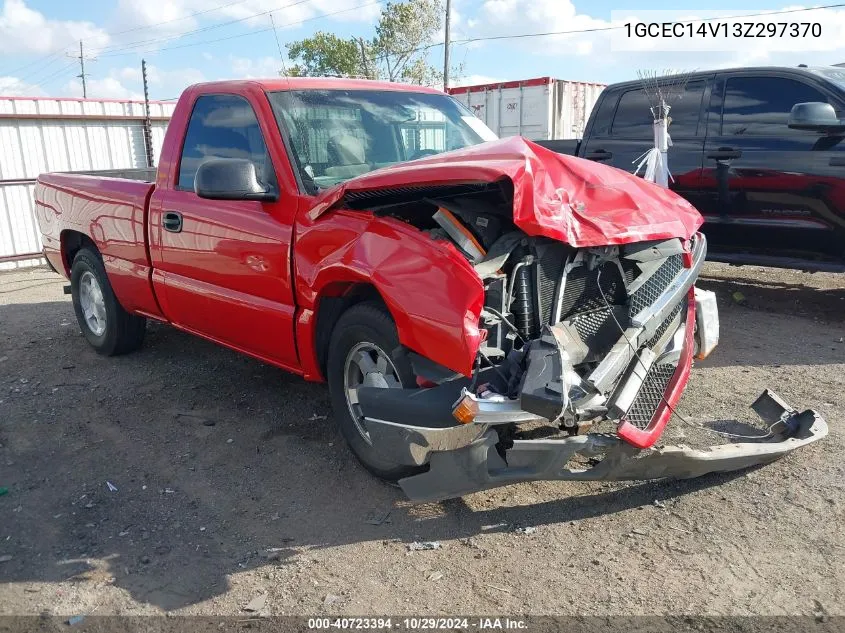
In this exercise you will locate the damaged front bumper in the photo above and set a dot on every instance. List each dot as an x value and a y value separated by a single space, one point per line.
468 458
635 383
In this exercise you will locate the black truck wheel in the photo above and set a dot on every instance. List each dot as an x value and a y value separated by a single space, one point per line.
109 328
360 355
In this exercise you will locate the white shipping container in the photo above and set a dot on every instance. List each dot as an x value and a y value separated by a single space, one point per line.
538 109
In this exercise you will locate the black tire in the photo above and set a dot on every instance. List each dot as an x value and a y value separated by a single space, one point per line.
123 332
365 322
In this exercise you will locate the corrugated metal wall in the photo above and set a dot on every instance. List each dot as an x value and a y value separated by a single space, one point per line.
41 134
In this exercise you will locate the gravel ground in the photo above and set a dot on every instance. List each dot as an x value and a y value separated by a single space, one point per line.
188 479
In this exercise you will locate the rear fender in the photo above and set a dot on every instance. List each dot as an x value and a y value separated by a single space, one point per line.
75 210
431 291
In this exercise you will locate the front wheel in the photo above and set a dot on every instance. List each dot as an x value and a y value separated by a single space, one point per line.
360 356
109 328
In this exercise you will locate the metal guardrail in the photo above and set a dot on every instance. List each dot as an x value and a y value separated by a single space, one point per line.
20 257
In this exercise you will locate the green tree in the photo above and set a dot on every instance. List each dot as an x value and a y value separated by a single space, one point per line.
398 51
324 54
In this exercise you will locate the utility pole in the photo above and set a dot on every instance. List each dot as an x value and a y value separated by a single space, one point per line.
446 47
82 73
148 126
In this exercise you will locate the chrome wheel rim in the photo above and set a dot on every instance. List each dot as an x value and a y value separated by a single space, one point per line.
92 303
367 365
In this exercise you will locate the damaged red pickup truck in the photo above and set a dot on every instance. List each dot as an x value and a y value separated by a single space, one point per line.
480 308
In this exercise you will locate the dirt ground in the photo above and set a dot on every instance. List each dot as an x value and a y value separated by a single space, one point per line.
188 479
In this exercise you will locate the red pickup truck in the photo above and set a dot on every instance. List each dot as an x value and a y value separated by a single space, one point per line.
483 310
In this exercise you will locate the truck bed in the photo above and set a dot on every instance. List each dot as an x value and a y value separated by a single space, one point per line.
110 211
143 174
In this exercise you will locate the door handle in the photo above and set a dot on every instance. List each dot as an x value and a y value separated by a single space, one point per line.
172 221
725 153
599 155
837 161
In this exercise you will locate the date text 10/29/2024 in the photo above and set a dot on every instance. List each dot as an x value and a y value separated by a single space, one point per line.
419 623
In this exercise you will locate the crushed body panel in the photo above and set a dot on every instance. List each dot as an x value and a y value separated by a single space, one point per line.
575 201
479 466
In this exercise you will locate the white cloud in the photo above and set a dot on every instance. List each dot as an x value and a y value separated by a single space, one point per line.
248 68
15 87
107 88
166 17
24 30
178 17
474 80
172 81
508 17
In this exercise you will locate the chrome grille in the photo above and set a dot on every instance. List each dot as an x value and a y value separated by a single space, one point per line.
656 285
661 330
582 293
599 330
650 396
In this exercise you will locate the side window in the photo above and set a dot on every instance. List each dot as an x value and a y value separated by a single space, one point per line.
604 116
223 126
760 106
634 117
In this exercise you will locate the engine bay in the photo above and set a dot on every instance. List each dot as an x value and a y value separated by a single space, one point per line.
576 336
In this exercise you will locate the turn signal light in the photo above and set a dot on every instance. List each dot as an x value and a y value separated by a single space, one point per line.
466 410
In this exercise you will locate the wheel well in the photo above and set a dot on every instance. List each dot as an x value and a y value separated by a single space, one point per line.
329 308
72 243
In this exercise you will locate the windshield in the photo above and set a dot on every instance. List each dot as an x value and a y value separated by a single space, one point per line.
336 135
832 74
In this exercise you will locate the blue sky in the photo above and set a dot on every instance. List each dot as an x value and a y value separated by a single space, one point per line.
185 41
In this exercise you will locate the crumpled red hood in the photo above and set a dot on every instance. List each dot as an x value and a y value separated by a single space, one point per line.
561 197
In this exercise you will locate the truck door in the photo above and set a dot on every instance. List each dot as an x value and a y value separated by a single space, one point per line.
223 266
622 131
769 190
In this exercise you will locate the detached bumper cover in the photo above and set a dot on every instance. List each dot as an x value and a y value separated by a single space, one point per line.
465 459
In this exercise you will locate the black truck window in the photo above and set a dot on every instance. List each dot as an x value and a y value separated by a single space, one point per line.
760 106
634 118
222 126
604 115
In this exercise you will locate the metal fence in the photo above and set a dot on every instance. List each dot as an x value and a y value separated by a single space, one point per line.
41 134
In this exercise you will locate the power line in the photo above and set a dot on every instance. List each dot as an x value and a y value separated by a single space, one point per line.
115 52
477 39
61 51
184 17
622 26
57 54
211 27
602 28
51 77
254 32
45 68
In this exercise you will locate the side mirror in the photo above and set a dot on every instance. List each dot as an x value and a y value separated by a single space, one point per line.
815 116
231 179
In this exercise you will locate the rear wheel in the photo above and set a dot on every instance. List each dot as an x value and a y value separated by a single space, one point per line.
109 328
360 356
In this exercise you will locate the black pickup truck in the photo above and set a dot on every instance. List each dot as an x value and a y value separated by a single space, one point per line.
759 152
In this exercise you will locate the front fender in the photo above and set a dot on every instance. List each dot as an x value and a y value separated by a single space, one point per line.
432 292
